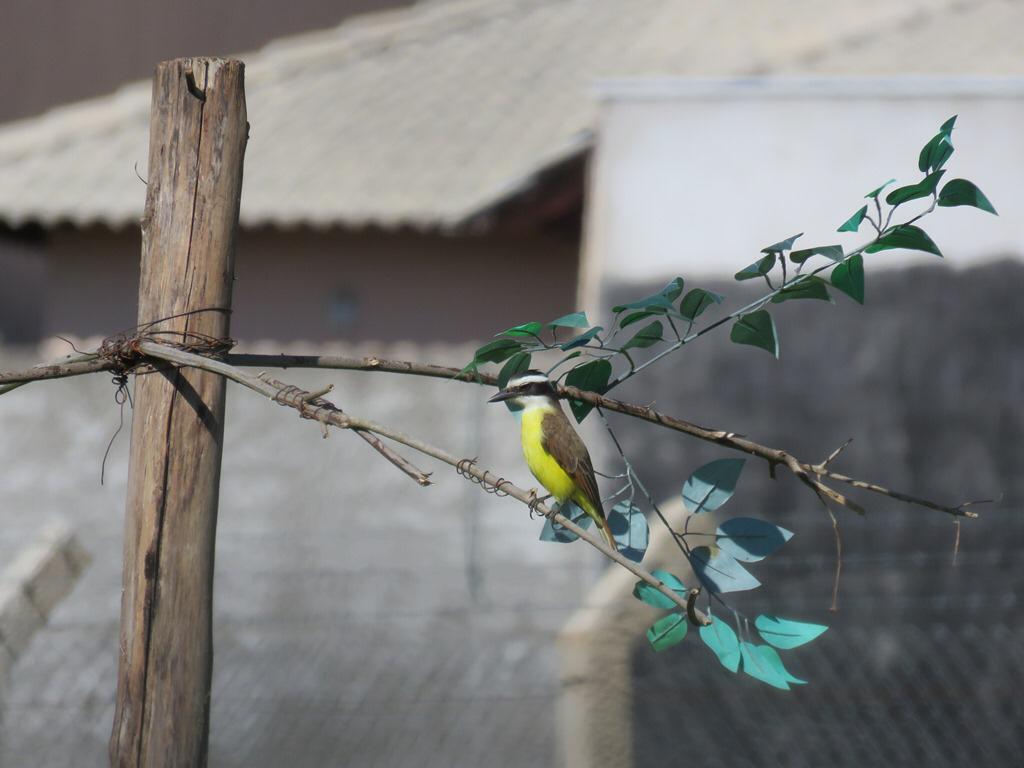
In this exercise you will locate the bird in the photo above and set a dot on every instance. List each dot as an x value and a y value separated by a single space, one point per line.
555 454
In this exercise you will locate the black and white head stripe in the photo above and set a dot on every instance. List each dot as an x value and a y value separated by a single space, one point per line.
531 383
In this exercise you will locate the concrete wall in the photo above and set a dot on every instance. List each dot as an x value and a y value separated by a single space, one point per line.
318 286
694 177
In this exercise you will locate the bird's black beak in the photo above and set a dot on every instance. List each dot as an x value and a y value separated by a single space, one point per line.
502 395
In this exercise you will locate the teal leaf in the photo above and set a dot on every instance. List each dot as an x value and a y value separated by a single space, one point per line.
782 245
904 236
759 268
591 377
749 539
910 192
629 528
555 531
810 287
848 277
646 336
772 659
662 299
758 330
939 148
636 317
786 634
721 572
711 485
760 667
833 252
963 192
582 340
497 351
696 301
873 194
722 640
667 631
517 364
574 320
852 224
526 329
648 594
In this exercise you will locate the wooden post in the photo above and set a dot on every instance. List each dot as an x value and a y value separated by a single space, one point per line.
197 140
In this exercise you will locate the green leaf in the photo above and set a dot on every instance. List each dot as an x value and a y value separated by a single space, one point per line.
760 667
875 192
759 268
915 191
526 329
721 572
772 659
711 485
758 330
811 287
963 192
662 299
833 252
636 317
646 336
517 364
939 148
904 236
852 224
592 377
720 638
581 340
648 594
667 631
782 245
848 277
497 351
787 634
696 301
574 320
749 539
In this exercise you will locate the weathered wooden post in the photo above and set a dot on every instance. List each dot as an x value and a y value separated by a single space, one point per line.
197 140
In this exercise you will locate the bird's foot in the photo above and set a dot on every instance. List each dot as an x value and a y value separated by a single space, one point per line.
536 501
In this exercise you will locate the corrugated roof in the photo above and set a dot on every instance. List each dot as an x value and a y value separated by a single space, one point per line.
429 116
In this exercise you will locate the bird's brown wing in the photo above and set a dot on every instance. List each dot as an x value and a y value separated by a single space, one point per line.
562 442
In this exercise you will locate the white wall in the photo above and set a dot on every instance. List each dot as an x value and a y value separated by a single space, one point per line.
694 177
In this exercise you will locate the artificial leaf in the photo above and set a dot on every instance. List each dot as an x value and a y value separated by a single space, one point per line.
810 287
833 252
662 299
758 330
646 336
574 320
915 191
852 224
526 329
648 594
721 572
782 245
848 277
771 657
517 364
759 268
722 640
667 631
592 377
497 351
904 236
629 529
696 301
786 634
939 148
636 317
749 539
555 531
875 192
582 340
711 485
963 192
761 668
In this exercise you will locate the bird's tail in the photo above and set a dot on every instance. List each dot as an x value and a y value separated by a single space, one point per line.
597 515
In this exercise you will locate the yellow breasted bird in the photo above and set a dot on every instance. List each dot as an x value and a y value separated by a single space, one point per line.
554 452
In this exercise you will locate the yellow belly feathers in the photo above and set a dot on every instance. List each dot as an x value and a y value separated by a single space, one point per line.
541 463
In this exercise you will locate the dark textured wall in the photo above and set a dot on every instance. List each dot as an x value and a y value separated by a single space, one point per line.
923 663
